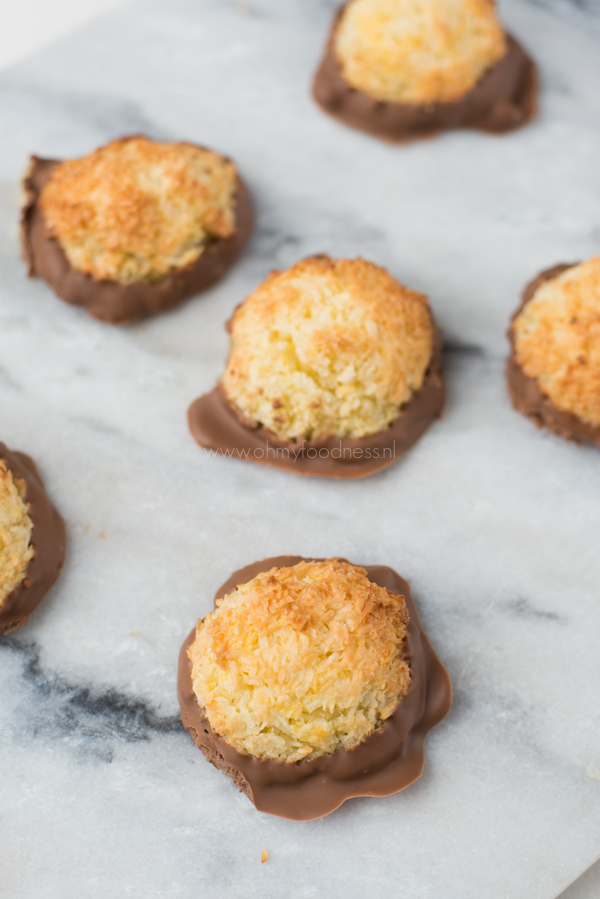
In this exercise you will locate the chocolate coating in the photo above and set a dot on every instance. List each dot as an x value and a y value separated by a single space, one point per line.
216 425
525 393
387 761
110 301
503 99
48 541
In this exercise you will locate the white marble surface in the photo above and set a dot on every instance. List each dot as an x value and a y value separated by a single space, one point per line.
495 524
30 25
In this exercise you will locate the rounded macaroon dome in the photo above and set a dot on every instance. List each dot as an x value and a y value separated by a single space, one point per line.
556 339
137 209
418 51
301 661
328 348
15 532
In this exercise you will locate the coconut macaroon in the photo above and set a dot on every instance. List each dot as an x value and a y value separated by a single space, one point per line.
301 661
418 51
328 348
406 69
16 550
312 683
32 539
556 341
334 371
137 209
135 227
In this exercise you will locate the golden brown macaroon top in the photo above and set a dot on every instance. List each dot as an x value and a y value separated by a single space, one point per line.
557 340
328 348
15 532
418 51
138 209
301 661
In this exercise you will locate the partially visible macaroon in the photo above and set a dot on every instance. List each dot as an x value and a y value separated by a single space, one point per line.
32 540
415 51
297 685
407 68
328 351
553 372
16 526
136 226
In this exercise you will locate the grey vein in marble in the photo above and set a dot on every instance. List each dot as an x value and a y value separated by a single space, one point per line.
87 717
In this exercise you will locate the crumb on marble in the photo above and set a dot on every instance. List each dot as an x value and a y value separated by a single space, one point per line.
137 209
301 661
557 340
264 856
593 770
16 526
328 348
418 51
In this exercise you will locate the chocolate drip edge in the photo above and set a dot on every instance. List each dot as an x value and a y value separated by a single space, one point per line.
216 425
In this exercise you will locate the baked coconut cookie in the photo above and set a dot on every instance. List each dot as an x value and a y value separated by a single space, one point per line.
334 371
312 682
32 540
135 227
553 372
401 69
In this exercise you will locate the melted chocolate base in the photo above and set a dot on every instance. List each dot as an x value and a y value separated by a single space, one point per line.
504 99
526 394
48 541
110 301
216 425
387 761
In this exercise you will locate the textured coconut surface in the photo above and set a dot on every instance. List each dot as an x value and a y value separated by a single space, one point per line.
15 532
302 662
418 51
328 348
138 209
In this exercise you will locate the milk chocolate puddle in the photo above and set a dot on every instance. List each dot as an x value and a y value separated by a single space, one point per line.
217 426
47 539
110 301
526 394
503 99
390 759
